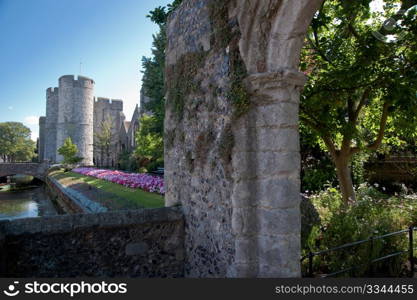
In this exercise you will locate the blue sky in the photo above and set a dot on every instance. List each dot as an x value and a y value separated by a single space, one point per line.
41 40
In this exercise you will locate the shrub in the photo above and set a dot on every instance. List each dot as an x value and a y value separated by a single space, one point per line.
69 151
373 214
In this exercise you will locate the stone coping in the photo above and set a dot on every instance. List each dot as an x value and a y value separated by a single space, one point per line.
82 201
67 223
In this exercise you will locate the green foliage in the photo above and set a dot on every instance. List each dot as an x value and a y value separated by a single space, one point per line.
317 169
150 137
317 175
358 167
128 161
150 144
182 80
69 151
225 37
104 138
361 92
373 214
15 142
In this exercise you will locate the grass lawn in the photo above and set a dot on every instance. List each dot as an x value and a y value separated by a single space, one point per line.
133 197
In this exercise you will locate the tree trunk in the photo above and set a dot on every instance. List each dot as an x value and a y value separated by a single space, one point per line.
345 178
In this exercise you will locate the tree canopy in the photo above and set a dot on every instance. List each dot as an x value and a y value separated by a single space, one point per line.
150 137
69 151
15 142
362 88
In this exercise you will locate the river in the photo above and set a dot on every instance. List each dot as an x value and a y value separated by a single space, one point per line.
28 203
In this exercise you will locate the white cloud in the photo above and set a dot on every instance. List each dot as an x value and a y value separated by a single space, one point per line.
33 123
34 133
31 120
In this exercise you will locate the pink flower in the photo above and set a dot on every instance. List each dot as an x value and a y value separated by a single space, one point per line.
145 182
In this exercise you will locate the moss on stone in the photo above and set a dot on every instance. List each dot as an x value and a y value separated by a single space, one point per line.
203 145
189 161
169 138
182 80
226 144
226 35
222 32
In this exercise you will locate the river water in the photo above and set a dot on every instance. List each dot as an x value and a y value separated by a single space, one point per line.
27 203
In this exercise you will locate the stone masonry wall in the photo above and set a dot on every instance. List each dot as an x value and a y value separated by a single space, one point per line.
142 243
106 110
198 137
51 123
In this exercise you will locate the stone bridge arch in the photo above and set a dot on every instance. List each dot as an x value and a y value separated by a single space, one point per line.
231 133
37 170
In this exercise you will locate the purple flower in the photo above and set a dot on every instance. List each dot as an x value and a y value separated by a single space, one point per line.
145 182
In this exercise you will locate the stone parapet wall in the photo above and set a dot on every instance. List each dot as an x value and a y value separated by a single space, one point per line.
37 170
139 243
70 200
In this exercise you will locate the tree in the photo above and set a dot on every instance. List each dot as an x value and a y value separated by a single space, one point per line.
15 142
69 151
153 87
104 140
150 144
361 91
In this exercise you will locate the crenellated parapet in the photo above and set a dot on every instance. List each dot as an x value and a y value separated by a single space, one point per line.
81 81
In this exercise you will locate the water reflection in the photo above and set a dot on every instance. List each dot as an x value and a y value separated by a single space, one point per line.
15 205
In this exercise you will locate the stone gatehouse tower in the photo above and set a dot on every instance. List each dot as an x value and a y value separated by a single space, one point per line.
69 113
73 111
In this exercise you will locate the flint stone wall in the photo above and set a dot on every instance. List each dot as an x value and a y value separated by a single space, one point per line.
140 243
197 164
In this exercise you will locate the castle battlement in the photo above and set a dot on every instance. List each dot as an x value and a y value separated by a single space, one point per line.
51 91
115 104
81 81
102 100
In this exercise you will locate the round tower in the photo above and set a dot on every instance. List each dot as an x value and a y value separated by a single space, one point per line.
75 115
49 152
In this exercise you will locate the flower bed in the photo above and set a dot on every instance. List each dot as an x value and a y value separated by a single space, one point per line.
145 182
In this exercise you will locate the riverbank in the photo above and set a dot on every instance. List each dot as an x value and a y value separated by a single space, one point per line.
25 203
110 195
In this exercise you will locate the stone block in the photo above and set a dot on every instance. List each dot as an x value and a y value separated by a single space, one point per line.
136 249
279 256
244 221
263 165
267 193
267 139
275 222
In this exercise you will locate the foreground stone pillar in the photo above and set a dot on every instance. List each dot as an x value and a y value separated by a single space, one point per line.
266 217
